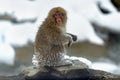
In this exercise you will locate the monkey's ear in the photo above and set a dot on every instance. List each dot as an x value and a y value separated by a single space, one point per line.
74 37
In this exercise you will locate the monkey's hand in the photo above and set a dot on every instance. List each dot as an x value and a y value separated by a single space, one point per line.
74 37
70 40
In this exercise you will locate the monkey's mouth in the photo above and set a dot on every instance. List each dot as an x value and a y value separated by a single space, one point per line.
59 20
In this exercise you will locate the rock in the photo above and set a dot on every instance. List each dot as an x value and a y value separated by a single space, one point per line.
113 47
116 3
75 74
112 42
77 71
31 71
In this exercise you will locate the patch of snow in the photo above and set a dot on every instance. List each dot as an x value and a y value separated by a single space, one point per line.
110 21
81 59
109 67
7 53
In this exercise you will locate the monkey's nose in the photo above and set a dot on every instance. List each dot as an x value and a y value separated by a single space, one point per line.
59 20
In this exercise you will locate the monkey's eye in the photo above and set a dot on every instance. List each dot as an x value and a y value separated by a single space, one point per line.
58 14
62 14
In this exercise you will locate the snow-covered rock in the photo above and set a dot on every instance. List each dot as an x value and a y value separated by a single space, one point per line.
20 35
107 5
110 22
7 53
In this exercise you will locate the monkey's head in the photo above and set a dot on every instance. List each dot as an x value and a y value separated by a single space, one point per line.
57 15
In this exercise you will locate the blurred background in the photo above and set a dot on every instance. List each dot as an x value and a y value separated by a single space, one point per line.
95 22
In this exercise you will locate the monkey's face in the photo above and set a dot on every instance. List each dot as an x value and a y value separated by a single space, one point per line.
58 15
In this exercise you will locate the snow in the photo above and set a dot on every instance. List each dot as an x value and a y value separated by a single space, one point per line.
7 53
105 66
111 22
81 59
20 35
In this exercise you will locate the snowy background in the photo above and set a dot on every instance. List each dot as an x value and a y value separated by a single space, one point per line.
20 19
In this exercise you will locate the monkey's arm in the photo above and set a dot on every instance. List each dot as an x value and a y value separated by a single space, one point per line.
64 39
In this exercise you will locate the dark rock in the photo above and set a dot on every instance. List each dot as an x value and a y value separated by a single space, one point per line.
103 10
116 3
113 46
74 72
17 77
112 41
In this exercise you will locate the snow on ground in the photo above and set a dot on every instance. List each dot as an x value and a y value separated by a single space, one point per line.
110 22
81 59
7 53
105 66
20 35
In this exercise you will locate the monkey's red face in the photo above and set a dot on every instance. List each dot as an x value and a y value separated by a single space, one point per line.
58 17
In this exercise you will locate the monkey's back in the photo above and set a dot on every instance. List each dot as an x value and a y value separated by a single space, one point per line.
48 46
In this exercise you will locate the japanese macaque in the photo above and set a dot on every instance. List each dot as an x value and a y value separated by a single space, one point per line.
49 47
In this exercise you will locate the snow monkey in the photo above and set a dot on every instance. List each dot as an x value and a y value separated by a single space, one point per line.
49 46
